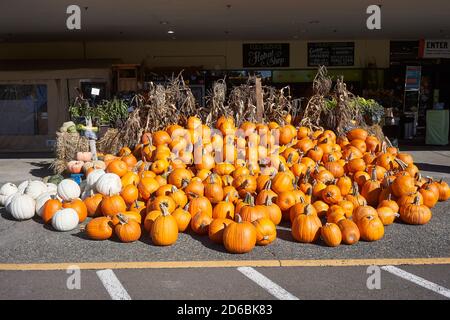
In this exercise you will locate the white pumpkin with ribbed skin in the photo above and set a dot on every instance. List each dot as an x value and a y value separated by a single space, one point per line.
35 188
9 200
93 177
51 187
8 189
41 200
21 187
23 207
68 190
65 219
109 184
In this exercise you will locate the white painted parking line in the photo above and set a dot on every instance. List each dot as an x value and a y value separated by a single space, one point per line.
264 282
417 280
113 285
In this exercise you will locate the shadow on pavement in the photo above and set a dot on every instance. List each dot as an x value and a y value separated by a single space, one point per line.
43 169
433 167
5 215
204 240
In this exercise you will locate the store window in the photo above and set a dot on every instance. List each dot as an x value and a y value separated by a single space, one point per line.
23 109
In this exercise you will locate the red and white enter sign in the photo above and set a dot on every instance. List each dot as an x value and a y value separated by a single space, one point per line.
434 49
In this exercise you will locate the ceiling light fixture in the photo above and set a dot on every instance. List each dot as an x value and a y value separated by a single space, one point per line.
164 22
170 32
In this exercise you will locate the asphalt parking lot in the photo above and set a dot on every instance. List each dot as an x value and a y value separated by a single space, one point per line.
414 260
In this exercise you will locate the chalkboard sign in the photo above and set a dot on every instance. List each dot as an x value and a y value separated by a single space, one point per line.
265 55
331 54
403 51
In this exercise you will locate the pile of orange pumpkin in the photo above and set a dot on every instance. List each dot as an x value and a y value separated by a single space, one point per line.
337 188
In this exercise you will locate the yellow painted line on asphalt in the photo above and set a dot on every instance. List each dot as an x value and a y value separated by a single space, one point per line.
222 264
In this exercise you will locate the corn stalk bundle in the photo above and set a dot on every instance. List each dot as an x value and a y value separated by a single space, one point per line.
241 103
164 105
336 109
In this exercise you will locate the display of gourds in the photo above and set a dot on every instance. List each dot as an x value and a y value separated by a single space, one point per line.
235 184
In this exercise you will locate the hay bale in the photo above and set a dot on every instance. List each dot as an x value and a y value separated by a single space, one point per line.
67 146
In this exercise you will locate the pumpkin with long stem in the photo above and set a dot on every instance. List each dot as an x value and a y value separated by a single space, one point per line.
266 193
239 236
251 212
273 211
223 209
444 190
112 205
389 203
127 230
306 227
164 231
415 213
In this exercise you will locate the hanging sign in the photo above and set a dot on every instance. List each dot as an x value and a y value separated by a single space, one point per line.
434 49
265 55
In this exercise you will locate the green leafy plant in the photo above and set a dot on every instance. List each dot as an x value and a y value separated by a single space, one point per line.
107 112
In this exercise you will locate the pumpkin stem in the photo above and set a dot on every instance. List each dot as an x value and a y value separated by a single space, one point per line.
173 189
266 237
402 164
289 158
374 174
417 200
184 183
309 191
164 208
308 209
268 185
268 201
227 197
122 218
249 199
237 218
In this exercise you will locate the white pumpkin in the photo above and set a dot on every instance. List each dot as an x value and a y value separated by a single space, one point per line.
23 207
35 188
65 219
93 177
51 187
8 189
68 190
41 200
9 200
21 187
109 184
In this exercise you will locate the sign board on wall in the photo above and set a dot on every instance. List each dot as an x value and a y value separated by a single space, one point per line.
335 54
412 79
434 49
255 55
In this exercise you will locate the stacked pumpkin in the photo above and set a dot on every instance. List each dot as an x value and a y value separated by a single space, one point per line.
247 181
